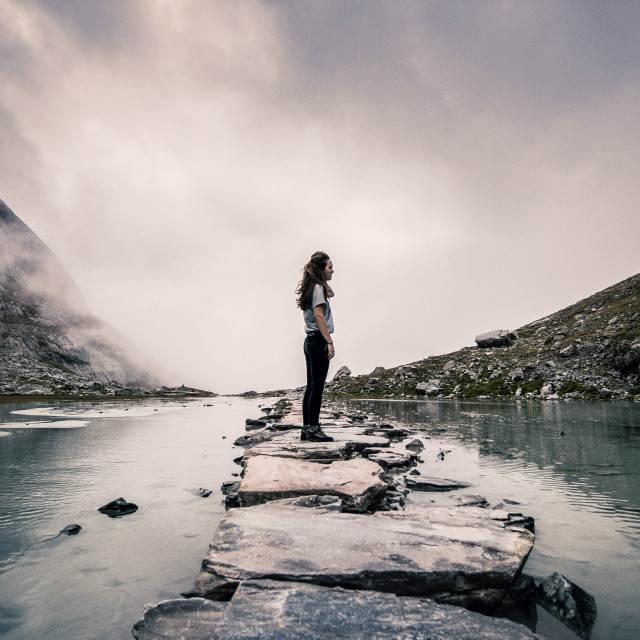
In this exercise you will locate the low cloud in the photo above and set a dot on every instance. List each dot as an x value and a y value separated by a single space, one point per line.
466 168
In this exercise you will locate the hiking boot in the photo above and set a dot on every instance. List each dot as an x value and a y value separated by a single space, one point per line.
315 434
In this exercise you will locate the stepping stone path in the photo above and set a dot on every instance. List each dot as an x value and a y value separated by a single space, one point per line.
300 558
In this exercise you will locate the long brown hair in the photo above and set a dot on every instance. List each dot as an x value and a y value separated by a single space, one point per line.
313 274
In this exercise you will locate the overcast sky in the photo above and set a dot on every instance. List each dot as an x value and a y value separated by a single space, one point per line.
468 166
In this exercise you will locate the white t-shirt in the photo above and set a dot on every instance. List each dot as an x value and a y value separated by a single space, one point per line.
318 298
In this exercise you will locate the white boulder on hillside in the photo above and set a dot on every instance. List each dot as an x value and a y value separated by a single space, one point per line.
497 338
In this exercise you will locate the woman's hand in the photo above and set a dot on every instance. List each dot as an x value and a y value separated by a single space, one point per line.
331 351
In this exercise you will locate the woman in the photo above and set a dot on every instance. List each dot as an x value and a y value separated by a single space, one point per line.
313 298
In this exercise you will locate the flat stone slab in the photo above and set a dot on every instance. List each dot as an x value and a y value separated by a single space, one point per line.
391 458
312 451
424 483
355 435
356 482
269 610
457 556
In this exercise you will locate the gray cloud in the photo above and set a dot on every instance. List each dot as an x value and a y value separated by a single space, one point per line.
468 166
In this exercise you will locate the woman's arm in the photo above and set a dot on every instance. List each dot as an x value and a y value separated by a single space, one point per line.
322 325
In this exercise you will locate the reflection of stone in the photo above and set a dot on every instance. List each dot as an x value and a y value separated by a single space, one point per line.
271 610
568 603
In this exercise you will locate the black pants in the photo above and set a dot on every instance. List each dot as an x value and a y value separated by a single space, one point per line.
315 353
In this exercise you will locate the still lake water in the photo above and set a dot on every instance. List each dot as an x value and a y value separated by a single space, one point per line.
574 467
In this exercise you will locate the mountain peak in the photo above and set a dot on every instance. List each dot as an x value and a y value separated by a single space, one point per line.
49 339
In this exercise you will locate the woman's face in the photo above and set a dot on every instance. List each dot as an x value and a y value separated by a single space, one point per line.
328 270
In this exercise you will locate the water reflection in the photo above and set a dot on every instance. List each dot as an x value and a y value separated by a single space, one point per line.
591 450
574 467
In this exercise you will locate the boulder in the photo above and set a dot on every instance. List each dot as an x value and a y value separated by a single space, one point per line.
429 388
271 610
568 352
342 374
626 356
311 451
461 556
498 338
568 603
356 482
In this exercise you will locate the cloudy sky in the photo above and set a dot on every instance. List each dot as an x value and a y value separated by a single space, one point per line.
468 166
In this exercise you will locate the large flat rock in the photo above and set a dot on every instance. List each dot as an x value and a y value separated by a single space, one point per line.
355 435
312 451
458 556
356 482
268 610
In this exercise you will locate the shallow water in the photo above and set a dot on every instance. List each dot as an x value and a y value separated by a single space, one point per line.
94 585
58 466
574 467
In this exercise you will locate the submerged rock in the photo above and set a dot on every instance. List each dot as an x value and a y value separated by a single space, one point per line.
434 484
458 556
270 610
568 603
357 482
119 507
71 530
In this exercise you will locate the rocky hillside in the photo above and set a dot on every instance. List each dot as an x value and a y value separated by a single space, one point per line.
50 342
590 350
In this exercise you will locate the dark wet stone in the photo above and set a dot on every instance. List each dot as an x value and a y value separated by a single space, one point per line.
253 438
569 603
117 508
230 486
71 530
270 610
415 445
205 493
251 424
435 484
